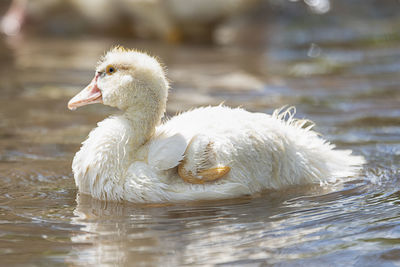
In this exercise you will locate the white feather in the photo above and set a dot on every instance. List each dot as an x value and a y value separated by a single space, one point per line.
166 153
263 152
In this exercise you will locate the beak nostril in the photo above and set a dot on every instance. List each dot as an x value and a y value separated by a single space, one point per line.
95 89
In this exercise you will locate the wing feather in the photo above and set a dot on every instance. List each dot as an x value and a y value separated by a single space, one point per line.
167 153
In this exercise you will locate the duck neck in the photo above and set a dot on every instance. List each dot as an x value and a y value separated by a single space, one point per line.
143 121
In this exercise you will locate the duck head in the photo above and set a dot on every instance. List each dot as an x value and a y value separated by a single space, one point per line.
124 79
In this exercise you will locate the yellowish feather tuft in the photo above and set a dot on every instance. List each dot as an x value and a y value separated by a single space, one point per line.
120 48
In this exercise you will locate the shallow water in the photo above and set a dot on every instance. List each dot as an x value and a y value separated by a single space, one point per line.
341 70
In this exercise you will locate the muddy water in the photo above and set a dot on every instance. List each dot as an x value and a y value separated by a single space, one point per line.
340 71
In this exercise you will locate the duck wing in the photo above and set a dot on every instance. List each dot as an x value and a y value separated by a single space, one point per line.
166 153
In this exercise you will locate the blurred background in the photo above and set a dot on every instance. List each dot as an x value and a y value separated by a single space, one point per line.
337 61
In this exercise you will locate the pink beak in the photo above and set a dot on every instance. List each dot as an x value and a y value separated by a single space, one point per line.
90 95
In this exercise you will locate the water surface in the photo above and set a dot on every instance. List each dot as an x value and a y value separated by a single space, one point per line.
341 70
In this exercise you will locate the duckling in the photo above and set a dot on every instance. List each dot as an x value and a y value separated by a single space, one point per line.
54 16
17 13
207 153
182 20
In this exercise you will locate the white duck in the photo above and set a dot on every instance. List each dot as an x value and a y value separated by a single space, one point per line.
207 153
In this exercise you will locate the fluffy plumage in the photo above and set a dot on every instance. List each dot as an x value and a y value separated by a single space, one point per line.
133 157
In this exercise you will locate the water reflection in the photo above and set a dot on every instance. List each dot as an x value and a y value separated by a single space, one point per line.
194 233
297 224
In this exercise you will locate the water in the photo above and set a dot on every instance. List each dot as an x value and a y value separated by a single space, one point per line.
340 69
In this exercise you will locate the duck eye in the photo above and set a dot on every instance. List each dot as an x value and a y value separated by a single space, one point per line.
110 70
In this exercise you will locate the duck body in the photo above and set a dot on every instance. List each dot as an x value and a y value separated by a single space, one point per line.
263 152
203 154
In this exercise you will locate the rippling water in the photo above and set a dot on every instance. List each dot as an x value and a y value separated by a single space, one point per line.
340 69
